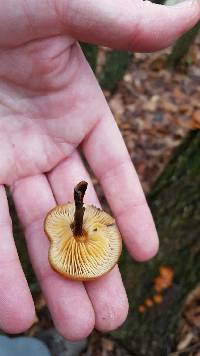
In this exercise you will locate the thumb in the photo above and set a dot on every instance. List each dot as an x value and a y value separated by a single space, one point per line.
124 24
129 24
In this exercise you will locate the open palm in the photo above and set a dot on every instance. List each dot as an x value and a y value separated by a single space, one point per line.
50 108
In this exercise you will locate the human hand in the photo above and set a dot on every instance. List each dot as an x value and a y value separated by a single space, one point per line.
51 105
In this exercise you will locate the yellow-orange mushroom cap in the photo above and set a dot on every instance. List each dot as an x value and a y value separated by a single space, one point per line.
91 253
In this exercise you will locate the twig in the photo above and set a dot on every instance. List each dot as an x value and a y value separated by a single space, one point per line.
188 349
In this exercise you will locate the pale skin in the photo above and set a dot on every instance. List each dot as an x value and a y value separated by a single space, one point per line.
50 105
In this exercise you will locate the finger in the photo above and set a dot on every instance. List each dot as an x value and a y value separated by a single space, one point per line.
112 165
109 300
13 285
66 175
106 152
67 300
107 293
107 155
128 24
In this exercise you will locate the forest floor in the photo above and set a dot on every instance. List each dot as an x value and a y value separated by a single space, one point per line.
154 108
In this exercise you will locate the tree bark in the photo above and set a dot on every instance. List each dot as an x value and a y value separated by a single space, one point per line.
182 46
114 69
175 204
116 63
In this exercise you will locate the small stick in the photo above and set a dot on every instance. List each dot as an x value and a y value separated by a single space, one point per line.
79 192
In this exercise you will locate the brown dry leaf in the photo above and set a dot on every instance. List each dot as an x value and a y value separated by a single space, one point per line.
101 58
189 329
107 344
192 310
194 122
152 104
116 104
128 78
185 108
185 342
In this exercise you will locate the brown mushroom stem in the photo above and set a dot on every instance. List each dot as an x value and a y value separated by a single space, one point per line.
79 192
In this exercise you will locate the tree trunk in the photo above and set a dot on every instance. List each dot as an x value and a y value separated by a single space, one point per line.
182 46
114 69
175 203
116 63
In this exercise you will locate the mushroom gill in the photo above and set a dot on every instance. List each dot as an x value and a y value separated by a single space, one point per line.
85 243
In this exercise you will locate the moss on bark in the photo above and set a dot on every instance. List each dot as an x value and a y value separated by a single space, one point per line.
112 71
182 46
175 204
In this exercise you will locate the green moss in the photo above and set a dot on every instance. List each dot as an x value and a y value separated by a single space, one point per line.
114 69
90 52
182 46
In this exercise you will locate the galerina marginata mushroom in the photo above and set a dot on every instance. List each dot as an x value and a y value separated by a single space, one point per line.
85 242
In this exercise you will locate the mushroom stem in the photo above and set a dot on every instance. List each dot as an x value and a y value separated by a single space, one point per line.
79 192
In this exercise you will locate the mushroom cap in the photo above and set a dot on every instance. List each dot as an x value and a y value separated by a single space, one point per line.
84 257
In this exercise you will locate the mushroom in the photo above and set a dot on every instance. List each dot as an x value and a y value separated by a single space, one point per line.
85 242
